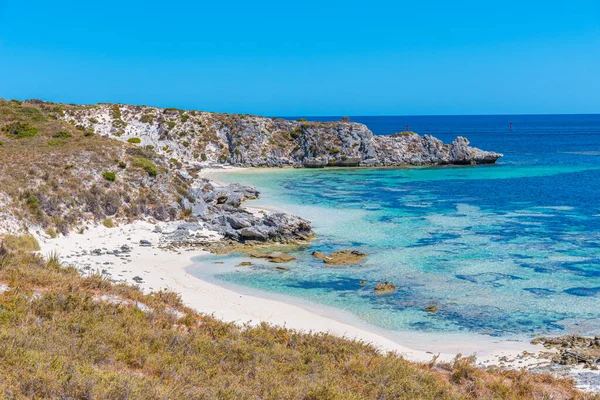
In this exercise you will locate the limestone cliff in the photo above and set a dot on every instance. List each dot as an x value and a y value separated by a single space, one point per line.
203 138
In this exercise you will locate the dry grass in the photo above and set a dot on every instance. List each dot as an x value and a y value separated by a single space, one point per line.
60 341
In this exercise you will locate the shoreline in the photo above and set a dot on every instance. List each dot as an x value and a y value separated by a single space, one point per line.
159 268
152 268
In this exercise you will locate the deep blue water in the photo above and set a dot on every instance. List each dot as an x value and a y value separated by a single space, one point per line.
502 250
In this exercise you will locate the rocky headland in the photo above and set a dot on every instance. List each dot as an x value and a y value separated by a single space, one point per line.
211 139
111 161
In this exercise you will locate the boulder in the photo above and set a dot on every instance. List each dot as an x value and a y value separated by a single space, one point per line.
385 287
275 257
343 257
244 264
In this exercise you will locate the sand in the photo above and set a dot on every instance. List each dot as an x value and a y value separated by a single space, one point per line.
152 268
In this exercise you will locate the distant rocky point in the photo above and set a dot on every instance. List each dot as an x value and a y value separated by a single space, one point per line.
211 139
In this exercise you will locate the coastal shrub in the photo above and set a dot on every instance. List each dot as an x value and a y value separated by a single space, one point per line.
115 112
184 118
88 134
33 201
301 120
122 164
170 124
55 142
147 118
1 143
296 132
134 140
150 147
20 130
22 243
51 232
62 135
203 157
145 164
109 176
94 120
334 151
186 143
345 119
108 222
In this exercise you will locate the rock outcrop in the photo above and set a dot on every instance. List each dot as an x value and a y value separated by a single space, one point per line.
343 257
573 349
210 139
385 287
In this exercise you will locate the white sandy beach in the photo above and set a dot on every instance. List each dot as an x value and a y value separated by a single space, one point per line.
164 269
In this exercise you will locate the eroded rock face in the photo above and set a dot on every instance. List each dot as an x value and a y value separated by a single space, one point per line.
209 139
343 257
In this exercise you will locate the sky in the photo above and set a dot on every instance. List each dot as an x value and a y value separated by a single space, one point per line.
279 58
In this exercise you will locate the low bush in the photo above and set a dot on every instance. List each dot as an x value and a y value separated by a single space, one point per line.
145 164
134 140
109 176
108 222
20 130
51 232
62 135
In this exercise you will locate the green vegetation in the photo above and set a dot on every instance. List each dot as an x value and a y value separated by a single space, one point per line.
108 222
186 143
296 132
145 164
50 231
62 135
64 342
55 142
147 118
134 140
203 157
94 120
20 130
184 118
109 176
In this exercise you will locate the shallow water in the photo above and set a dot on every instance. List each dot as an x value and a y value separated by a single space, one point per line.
505 250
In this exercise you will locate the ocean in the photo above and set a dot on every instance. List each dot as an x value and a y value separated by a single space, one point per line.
509 250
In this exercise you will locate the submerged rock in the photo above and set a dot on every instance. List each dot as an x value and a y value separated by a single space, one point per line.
343 257
385 287
244 264
431 309
275 257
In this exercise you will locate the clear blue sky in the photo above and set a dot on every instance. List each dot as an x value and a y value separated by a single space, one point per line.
307 57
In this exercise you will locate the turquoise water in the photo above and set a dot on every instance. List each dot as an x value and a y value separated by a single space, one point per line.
504 250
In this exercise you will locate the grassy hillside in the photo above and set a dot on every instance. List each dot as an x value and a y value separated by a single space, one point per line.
57 176
65 336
